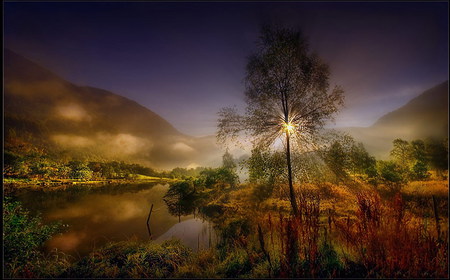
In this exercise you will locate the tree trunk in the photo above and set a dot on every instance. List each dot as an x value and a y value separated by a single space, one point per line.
291 187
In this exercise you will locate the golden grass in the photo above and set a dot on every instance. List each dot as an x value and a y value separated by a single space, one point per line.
427 188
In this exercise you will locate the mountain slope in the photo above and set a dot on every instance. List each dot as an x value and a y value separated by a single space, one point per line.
425 116
55 114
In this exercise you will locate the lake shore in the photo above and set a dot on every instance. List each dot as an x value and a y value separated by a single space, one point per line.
10 184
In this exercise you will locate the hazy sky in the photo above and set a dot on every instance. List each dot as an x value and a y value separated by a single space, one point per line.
185 60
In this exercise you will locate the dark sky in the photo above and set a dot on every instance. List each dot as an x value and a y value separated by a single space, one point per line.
185 60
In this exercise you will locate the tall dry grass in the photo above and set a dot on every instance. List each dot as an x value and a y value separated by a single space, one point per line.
390 242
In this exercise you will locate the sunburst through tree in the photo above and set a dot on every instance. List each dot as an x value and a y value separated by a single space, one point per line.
288 96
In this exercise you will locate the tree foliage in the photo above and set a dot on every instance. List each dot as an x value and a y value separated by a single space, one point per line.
228 161
437 154
266 167
285 83
411 158
391 173
345 158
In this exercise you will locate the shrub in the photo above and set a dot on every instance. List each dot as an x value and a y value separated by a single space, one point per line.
391 173
23 235
236 264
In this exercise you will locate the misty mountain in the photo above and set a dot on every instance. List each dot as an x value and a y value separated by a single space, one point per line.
45 110
425 116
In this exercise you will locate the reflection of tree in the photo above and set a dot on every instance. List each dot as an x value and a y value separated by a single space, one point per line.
181 198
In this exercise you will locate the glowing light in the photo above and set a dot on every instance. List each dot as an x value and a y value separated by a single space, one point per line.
289 127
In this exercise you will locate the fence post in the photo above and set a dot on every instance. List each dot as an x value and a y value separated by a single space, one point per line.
436 217
148 221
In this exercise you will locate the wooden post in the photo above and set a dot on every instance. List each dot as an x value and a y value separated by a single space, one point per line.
436 217
148 221
179 208
329 219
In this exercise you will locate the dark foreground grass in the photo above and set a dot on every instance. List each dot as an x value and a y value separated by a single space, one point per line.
132 259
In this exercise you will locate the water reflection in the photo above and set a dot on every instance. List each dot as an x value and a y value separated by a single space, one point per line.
195 233
115 213
182 198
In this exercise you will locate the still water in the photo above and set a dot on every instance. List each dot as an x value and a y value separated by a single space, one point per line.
100 215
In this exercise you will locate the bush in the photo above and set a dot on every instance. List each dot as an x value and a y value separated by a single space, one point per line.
23 236
420 171
391 173
236 264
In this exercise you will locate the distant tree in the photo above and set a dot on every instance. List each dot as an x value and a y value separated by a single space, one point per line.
287 93
437 154
108 170
311 168
62 171
420 165
183 173
265 167
420 171
391 173
345 157
218 178
41 167
362 162
228 161
15 165
266 170
412 158
337 159
96 168
79 170
401 153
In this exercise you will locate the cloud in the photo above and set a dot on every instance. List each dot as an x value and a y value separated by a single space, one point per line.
193 165
182 147
72 140
115 146
72 112
126 144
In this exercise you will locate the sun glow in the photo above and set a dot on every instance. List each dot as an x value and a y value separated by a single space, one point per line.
289 127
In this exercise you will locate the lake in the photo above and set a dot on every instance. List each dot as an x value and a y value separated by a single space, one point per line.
97 215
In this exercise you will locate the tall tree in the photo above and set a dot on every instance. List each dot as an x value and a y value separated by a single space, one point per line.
420 165
401 152
287 94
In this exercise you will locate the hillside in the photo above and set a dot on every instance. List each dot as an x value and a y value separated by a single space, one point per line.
47 111
425 116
